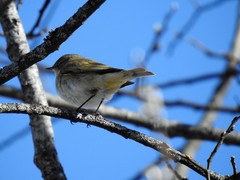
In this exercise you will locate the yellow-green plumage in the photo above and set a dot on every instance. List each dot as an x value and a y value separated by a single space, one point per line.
79 79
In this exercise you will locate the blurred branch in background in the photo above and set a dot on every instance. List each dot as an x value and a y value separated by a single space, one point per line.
160 30
217 98
168 127
155 45
199 10
207 51
41 12
181 103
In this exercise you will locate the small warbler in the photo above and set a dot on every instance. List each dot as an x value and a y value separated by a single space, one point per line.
87 83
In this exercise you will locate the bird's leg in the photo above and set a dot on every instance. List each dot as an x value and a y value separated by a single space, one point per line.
78 109
96 112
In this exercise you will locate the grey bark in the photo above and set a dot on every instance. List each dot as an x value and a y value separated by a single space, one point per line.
45 156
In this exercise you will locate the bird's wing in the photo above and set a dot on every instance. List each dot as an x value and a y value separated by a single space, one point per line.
90 66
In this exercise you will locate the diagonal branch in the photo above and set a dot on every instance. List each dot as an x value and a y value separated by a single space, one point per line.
41 12
52 41
168 127
219 143
99 121
45 154
207 51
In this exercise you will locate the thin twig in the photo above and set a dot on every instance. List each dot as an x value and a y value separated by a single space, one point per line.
159 32
192 21
206 50
141 174
34 35
183 103
41 12
234 165
198 79
191 80
178 176
198 106
194 3
223 136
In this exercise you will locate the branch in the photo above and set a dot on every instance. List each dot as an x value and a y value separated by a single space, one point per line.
141 174
197 79
45 154
99 121
218 96
3 5
168 127
41 12
34 35
200 9
159 32
234 165
178 176
52 42
209 116
207 51
202 107
190 80
222 137
182 103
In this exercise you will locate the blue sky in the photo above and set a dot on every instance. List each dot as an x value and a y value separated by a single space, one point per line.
111 35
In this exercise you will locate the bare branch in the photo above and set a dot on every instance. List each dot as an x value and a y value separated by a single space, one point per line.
235 54
201 107
52 41
157 162
191 80
231 72
41 12
223 136
178 176
209 116
34 35
45 154
159 32
182 103
206 50
99 121
200 9
218 95
168 127
234 165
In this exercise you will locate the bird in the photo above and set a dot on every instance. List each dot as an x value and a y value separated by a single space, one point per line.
88 83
